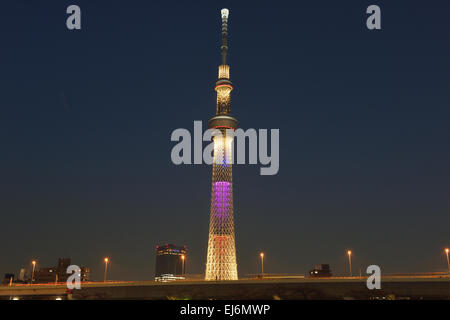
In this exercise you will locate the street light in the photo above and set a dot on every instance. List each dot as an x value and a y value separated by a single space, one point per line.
34 268
106 268
182 264
262 263
448 261
349 253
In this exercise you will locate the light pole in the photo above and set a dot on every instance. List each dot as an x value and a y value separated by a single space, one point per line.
106 268
448 261
182 264
349 253
34 268
262 263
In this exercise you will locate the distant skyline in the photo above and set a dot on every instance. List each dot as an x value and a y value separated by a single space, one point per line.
86 118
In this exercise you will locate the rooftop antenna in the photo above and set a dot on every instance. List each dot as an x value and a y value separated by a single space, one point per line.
224 13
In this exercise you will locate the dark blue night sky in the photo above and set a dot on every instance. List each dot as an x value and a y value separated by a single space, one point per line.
86 118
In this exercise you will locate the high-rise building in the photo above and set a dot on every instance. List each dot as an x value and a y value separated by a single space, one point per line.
221 255
170 262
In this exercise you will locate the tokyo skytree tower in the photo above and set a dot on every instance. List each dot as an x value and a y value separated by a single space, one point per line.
221 256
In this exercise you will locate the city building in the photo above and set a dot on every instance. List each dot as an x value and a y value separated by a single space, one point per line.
321 270
170 262
59 272
221 255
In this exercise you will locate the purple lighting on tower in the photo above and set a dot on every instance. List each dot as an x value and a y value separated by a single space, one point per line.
222 191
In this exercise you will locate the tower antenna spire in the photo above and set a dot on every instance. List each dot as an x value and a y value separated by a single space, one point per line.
224 13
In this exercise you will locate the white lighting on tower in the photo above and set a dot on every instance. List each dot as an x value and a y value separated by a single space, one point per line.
225 12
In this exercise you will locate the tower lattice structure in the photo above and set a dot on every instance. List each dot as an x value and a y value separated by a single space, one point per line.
221 257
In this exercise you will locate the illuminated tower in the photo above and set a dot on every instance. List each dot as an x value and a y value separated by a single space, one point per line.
221 257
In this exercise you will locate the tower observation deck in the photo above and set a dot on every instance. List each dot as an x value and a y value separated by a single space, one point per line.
221 255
